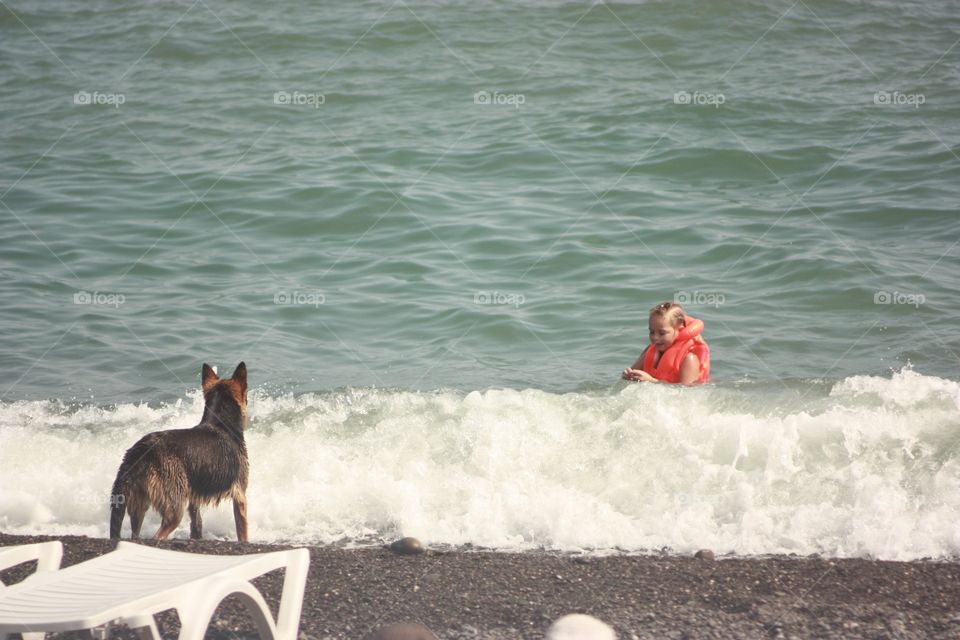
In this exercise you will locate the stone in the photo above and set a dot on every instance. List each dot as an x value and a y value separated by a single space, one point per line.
407 546
704 554
578 626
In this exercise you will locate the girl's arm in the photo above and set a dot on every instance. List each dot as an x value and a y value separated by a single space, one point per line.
639 363
635 372
690 369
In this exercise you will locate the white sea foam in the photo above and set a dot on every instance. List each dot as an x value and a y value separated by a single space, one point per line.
867 466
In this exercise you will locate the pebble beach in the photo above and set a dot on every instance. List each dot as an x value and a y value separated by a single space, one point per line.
471 593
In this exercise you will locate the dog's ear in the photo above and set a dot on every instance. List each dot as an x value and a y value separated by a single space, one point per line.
240 375
208 377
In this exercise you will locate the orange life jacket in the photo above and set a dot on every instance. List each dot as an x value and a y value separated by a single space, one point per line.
688 341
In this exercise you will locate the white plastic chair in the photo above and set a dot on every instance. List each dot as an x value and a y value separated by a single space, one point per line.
47 555
135 582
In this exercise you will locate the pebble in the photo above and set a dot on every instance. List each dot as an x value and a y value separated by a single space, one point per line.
407 546
704 554
578 626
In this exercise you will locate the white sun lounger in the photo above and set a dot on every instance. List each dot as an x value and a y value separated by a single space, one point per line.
135 582
47 555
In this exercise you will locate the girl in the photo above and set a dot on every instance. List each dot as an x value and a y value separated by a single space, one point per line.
676 352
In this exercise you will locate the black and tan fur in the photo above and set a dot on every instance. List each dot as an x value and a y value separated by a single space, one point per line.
183 469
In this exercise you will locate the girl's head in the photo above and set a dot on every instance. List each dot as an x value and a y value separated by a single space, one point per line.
666 321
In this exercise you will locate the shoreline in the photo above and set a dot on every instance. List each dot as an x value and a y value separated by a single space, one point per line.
462 594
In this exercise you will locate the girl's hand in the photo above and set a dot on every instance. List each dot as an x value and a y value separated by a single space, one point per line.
637 375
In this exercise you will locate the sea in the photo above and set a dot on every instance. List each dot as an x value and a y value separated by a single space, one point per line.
433 231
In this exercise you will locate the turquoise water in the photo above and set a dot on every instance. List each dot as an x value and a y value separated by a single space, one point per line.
433 232
782 199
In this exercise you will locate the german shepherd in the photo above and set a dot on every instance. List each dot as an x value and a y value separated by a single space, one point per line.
186 468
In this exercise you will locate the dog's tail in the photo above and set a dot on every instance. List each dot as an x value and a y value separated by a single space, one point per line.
118 503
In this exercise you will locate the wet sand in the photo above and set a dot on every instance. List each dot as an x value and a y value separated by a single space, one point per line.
467 593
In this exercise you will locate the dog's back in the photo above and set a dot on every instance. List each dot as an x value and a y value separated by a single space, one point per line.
188 468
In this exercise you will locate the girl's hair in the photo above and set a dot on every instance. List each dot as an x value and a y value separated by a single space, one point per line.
672 311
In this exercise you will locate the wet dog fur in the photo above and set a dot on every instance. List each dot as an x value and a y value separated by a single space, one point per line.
183 469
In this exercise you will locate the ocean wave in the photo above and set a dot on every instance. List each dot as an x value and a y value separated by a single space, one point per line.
864 466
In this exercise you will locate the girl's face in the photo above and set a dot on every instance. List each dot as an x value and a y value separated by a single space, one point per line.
662 334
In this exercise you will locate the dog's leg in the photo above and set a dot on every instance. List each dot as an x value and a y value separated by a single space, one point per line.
137 506
240 515
170 516
196 522
169 494
166 528
136 521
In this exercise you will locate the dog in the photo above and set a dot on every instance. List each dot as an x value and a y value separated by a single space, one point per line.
188 468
